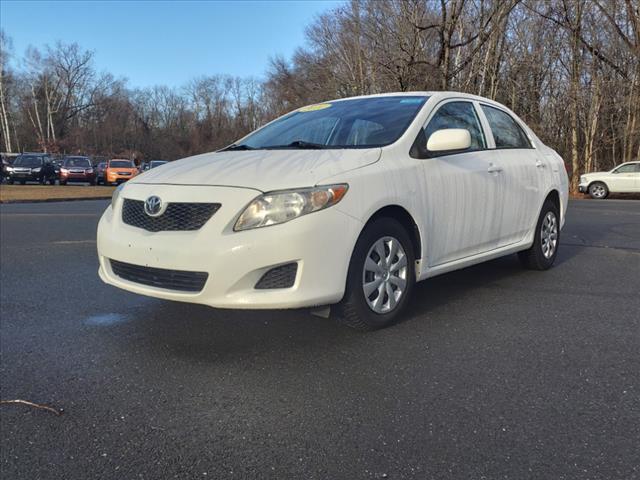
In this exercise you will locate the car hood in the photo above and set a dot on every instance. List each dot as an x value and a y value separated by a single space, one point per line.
595 174
263 170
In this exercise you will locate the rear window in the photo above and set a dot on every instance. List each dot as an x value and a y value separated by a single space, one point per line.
506 131
121 164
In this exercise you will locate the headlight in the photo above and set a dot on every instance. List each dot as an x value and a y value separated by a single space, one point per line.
64 170
116 194
279 207
36 170
89 170
9 169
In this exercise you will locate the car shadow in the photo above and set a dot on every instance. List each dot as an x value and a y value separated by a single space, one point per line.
206 334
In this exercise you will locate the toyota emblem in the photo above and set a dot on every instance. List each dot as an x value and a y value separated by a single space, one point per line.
153 206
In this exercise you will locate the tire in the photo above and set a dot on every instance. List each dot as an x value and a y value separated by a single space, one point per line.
62 183
52 181
546 240
356 310
598 191
23 182
10 181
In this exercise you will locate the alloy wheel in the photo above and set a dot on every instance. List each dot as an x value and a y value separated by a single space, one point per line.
598 191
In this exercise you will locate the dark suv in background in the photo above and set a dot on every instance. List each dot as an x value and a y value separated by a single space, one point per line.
32 167
77 169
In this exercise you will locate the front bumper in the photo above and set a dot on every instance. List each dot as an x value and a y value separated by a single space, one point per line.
583 188
78 177
320 243
114 177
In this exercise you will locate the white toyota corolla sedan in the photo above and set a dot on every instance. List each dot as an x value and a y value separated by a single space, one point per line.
345 203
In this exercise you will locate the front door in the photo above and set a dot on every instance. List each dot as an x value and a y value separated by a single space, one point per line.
461 190
624 178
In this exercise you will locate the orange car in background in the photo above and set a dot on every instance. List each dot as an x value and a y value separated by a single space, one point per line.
119 170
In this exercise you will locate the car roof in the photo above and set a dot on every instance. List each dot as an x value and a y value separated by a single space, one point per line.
441 95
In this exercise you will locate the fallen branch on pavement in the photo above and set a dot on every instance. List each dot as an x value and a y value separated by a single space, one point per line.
55 411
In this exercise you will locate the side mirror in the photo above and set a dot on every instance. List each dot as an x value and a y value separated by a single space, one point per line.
449 139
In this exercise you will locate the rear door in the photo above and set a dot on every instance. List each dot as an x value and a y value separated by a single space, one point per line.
524 173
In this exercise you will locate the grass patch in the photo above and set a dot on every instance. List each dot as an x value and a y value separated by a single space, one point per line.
43 193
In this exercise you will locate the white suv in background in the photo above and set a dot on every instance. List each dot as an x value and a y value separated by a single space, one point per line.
348 202
624 178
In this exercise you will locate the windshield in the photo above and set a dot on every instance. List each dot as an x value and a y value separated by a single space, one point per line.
157 163
77 162
358 123
28 161
120 164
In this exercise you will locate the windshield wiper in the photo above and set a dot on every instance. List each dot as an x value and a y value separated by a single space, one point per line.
301 144
238 147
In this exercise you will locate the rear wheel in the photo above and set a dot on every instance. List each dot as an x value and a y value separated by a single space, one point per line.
62 183
380 278
544 250
598 190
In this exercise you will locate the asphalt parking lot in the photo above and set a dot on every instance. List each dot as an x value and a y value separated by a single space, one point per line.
497 373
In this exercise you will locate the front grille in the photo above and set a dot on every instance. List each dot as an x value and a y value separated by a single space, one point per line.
283 276
181 280
177 216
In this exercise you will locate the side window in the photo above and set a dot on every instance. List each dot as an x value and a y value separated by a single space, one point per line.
457 115
506 132
629 168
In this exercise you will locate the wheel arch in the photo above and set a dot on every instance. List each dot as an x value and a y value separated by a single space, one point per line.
554 196
401 215
597 180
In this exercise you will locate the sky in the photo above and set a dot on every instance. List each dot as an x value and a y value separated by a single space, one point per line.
166 42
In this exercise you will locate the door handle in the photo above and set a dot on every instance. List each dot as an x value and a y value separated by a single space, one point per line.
539 164
494 169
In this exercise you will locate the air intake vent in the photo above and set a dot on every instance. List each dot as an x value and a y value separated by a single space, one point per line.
180 280
177 216
283 276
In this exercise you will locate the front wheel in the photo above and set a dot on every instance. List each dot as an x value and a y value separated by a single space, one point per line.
380 278
544 250
598 191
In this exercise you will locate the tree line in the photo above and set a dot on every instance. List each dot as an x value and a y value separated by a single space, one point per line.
569 68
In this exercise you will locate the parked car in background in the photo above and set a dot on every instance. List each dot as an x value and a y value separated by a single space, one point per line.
348 202
119 170
624 178
32 167
4 169
100 168
152 164
77 169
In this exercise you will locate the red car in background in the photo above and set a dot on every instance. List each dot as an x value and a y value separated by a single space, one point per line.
77 169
